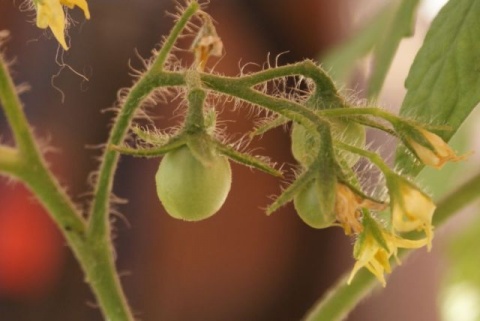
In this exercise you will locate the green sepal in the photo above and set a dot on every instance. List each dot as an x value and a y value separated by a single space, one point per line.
408 131
151 152
267 125
289 193
247 159
151 137
202 147
371 227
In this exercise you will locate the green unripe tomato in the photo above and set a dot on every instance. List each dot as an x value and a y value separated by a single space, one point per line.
305 145
190 190
307 204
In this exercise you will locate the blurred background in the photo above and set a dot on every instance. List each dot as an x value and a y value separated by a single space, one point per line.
238 265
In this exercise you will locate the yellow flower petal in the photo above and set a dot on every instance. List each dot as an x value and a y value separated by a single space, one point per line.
373 257
439 155
82 4
50 14
374 248
412 210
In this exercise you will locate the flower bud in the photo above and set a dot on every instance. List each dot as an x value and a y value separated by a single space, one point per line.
431 149
412 209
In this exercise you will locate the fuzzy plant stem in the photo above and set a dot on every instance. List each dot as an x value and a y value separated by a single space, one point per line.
151 79
342 298
26 163
237 88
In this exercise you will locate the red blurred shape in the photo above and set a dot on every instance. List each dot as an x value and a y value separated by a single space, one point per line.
31 247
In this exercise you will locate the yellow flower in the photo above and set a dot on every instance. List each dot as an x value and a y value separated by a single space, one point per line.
438 154
50 14
375 246
347 208
371 255
411 208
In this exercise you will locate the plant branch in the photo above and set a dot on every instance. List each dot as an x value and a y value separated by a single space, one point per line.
153 78
28 165
289 109
157 151
98 222
369 111
13 110
342 298
373 124
167 46
371 156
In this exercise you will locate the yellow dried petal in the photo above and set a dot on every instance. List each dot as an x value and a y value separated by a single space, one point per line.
347 208
375 257
440 154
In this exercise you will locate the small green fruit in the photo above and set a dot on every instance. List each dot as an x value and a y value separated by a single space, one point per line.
190 190
307 204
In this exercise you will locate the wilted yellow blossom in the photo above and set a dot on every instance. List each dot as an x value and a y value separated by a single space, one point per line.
371 255
347 208
207 43
50 14
436 157
411 209
374 248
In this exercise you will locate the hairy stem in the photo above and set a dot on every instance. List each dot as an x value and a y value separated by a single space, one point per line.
292 110
371 156
167 46
324 85
342 298
153 78
13 110
28 165
369 111
98 224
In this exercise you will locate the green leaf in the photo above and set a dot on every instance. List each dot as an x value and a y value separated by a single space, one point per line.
382 35
443 85
401 25
340 61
